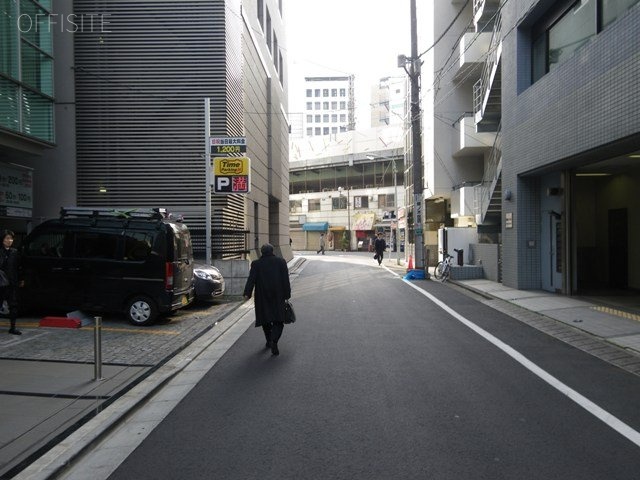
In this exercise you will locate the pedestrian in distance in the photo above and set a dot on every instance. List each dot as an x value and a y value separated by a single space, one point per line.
269 275
379 246
10 265
321 244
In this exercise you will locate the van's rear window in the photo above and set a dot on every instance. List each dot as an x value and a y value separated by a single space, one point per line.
182 243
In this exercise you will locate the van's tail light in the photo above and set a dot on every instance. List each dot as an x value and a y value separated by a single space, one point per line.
168 276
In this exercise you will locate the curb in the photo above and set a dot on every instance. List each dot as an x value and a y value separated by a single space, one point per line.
64 453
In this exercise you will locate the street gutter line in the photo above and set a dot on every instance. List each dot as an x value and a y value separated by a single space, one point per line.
598 412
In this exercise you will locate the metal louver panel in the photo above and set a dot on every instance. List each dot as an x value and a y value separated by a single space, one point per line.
140 89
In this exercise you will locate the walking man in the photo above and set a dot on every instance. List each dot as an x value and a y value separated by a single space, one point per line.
379 246
321 244
269 276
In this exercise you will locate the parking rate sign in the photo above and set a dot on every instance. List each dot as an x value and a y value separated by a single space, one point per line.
231 175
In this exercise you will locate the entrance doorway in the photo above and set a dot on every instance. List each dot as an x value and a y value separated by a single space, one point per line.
618 248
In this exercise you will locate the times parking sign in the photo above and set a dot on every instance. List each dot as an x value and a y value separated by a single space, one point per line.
231 175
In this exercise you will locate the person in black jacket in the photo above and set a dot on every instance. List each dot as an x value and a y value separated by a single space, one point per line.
379 246
9 264
269 275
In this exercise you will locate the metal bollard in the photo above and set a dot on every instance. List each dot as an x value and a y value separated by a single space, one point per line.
97 347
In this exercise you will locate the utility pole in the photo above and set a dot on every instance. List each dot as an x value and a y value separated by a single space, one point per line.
416 140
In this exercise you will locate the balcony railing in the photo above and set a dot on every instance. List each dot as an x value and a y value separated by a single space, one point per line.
484 190
482 88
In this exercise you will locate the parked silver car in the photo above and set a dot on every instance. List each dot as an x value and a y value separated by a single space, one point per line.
208 282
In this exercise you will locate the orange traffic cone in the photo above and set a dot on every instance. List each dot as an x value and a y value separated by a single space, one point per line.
410 264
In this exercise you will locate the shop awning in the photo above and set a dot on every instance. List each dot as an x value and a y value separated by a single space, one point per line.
315 226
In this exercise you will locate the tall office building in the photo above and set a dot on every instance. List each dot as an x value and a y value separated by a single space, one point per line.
26 107
389 102
129 96
329 105
531 135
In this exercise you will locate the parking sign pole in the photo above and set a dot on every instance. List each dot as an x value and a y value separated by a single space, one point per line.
97 348
207 155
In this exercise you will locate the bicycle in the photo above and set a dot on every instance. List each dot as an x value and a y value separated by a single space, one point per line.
442 271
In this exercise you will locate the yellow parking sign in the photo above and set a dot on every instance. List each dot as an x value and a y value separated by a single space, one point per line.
231 175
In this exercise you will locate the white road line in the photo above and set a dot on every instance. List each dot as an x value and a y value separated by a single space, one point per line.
598 412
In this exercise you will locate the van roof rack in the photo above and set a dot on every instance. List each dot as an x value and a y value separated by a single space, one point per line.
95 212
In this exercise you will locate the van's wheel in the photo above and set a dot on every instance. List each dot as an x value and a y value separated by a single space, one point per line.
141 310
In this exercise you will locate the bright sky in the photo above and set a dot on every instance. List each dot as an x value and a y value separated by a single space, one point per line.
342 37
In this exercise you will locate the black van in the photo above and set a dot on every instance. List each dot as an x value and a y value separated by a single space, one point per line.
103 260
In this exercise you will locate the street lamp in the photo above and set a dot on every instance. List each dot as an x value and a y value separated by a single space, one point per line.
348 216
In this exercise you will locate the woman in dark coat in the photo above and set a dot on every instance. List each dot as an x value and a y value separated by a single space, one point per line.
270 277
9 264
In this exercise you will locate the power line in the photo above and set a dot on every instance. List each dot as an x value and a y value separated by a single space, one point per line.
447 29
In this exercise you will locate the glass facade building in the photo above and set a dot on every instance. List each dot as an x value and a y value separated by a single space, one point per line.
26 68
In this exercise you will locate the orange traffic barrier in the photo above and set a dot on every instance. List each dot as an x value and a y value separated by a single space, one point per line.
410 264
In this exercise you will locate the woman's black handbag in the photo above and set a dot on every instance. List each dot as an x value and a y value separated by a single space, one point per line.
4 280
289 314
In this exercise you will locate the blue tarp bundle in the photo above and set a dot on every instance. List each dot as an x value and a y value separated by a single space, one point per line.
415 275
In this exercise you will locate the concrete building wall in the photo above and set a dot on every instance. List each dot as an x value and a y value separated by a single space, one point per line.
586 105
267 128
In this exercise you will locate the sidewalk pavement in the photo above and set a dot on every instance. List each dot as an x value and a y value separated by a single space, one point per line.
50 386
614 320
44 401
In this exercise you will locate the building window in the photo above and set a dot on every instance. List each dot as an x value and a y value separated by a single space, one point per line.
316 93
334 118
275 46
612 9
334 105
334 129
325 131
317 105
567 27
334 92
309 131
268 31
295 206
361 201
572 31
343 117
318 131
309 105
325 118
343 105
26 69
339 203
343 92
309 118
318 118
309 93
386 200
314 204
325 105
325 92
260 9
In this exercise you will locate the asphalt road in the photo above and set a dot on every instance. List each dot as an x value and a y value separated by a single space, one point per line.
375 381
